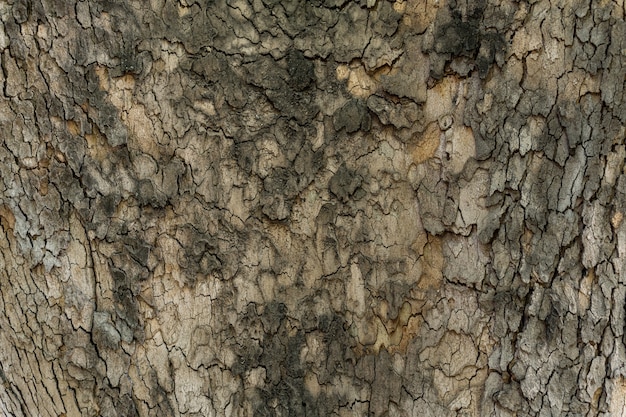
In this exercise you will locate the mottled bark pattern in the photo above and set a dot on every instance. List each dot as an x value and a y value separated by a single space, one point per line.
312 207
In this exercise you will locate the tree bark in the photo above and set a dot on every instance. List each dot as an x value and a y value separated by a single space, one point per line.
316 208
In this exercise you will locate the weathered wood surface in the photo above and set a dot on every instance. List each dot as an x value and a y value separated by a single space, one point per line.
349 208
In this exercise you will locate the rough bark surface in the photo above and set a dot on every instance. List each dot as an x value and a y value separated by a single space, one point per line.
312 207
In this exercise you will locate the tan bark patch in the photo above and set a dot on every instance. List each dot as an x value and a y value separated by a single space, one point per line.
427 144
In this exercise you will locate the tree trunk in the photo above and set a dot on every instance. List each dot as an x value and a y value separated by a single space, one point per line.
316 208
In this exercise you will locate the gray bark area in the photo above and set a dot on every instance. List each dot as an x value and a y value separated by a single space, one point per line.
312 208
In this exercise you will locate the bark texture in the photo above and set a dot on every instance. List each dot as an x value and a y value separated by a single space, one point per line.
312 208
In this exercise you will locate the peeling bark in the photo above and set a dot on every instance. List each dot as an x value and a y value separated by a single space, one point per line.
262 207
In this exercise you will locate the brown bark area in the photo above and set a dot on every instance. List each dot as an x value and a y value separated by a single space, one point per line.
330 207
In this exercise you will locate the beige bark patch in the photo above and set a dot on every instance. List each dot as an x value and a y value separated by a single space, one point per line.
453 355
72 127
312 385
142 136
382 336
366 331
432 257
79 300
359 82
442 98
103 77
617 406
418 14
97 146
355 290
471 207
427 144
460 146
121 95
376 332
7 219
617 219
584 294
